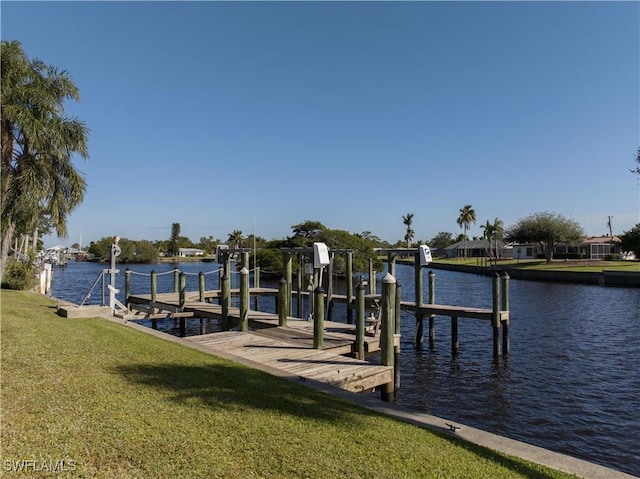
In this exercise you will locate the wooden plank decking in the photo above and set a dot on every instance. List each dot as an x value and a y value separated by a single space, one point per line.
287 349
299 361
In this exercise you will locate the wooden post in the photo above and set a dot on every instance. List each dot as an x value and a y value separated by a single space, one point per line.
455 343
359 349
127 284
203 327
505 307
388 328
330 287
495 319
245 260
225 295
288 271
220 276
372 278
283 302
201 286
256 284
417 273
396 349
244 299
391 264
349 286
154 284
299 285
432 317
183 326
318 318
182 289
176 280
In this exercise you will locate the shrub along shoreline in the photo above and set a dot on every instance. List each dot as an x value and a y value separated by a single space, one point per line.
93 398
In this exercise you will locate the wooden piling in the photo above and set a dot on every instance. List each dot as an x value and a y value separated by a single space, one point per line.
432 317
455 343
318 318
283 302
182 289
391 264
127 284
244 299
418 338
396 348
504 306
256 284
201 287
349 286
154 285
387 331
299 286
176 280
288 272
372 278
225 296
359 349
495 319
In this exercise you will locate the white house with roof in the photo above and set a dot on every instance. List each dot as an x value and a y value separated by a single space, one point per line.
184 252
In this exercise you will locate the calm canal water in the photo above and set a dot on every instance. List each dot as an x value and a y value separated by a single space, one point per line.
571 383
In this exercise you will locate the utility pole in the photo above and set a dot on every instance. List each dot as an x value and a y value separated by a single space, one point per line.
610 226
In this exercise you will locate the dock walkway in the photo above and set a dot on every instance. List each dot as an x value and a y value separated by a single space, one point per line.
299 361
288 349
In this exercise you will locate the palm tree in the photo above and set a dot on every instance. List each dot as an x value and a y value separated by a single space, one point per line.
466 218
235 239
493 231
408 221
38 143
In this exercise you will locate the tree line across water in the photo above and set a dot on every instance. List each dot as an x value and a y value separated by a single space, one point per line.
41 187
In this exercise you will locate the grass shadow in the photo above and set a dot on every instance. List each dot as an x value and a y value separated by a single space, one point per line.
229 386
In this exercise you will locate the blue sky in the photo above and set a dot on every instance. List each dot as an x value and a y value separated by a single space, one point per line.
260 115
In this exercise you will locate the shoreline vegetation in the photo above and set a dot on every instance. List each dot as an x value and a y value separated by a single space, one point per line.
103 400
603 272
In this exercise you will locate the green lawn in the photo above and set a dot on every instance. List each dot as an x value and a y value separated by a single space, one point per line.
114 402
555 265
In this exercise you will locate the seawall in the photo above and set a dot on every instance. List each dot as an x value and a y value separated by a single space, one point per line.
604 278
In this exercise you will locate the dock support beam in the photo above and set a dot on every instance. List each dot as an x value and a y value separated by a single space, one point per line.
127 285
288 271
225 295
396 349
318 318
154 285
495 319
432 318
372 278
283 302
388 329
359 349
182 288
349 287
244 299
455 342
256 284
504 306
201 287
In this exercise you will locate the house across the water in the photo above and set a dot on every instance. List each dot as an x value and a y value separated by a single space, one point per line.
184 252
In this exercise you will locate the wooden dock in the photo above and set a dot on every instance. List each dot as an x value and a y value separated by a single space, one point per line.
299 361
288 349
